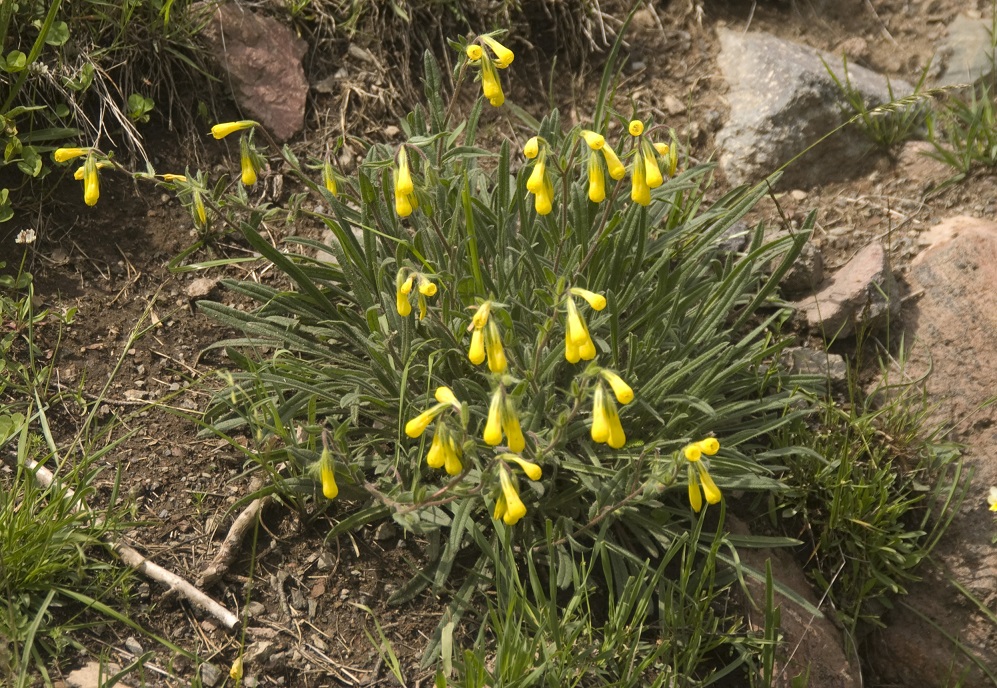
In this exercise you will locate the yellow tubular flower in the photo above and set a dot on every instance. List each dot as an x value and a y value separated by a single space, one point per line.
571 351
220 131
91 181
577 334
616 169
101 164
426 287
247 163
617 438
476 354
652 173
692 452
532 470
67 154
600 421
403 305
422 307
535 182
500 508
480 317
473 52
328 178
402 288
710 488
695 497
403 205
515 509
493 426
491 86
235 673
415 427
451 462
406 287
596 301
403 176
510 426
543 203
640 192
174 178
661 148
493 347
436 456
593 140
503 56
532 148
328 471
445 395
709 446
597 179
636 127
624 393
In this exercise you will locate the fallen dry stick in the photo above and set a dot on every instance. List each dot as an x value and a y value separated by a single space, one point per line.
229 550
132 558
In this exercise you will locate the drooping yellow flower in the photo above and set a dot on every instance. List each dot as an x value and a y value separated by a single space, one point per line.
697 473
451 457
436 456
247 162
616 169
91 181
445 395
220 131
596 301
593 140
329 179
174 177
532 470
476 354
543 203
514 507
510 426
578 344
661 148
499 508
617 438
497 362
532 148
600 421
405 200
640 192
415 427
636 127
473 52
404 205
624 393
426 286
503 56
327 469
652 173
539 184
480 317
67 154
597 179
491 86
101 164
493 426
403 287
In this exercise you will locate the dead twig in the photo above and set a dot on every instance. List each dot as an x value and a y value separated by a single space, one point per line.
230 546
137 561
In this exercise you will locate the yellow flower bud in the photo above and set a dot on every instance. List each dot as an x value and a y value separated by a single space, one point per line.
596 301
661 148
422 307
640 192
535 182
199 212
636 127
91 181
710 488
476 354
510 425
695 496
532 470
415 427
652 173
67 154
490 84
473 52
616 169
593 140
451 462
493 347
327 469
220 131
709 446
174 178
532 148
692 452
600 421
617 438
597 179
624 393
436 456
403 176
445 395
248 164
480 317
403 205
543 202
426 287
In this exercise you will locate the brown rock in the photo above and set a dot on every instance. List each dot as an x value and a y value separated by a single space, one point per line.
809 644
863 292
954 324
262 58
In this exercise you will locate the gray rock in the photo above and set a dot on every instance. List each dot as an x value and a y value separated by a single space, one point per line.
808 645
93 675
954 325
863 292
966 53
782 100
262 59
804 361
806 272
210 674
133 646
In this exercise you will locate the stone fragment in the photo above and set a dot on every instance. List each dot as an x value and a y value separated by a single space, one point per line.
966 53
262 60
201 287
806 272
94 675
782 100
954 326
210 675
805 361
809 645
863 292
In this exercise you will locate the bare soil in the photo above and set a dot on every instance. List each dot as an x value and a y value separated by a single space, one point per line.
110 262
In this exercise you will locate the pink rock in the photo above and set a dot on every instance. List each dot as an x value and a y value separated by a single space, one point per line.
863 291
262 58
953 325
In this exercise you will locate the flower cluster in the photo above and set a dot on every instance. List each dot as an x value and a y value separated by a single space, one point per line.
503 419
539 183
444 451
596 175
405 280
578 344
509 505
491 86
697 472
87 173
486 342
606 426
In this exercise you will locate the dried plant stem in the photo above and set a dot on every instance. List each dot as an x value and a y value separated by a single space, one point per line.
137 561
229 549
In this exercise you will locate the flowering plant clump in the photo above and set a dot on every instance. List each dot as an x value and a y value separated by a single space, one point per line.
577 335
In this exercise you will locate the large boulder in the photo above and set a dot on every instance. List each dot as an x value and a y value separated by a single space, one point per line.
954 326
783 100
